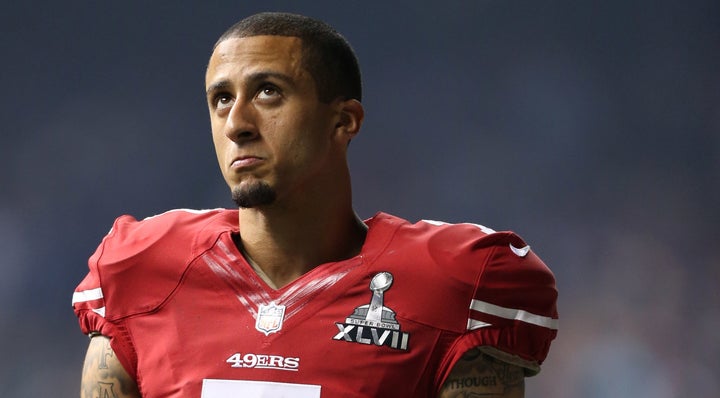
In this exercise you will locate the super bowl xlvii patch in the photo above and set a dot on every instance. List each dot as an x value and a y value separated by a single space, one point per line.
270 318
374 323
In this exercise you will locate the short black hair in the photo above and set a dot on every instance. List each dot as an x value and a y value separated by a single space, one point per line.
326 54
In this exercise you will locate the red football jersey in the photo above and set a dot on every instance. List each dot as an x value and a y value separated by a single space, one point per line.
189 317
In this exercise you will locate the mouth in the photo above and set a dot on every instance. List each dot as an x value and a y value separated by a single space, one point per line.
242 162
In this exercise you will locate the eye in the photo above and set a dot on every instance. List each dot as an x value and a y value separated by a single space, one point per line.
268 92
222 100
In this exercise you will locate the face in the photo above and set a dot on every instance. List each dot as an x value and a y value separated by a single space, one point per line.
272 135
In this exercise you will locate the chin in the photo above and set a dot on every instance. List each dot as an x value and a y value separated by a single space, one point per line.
253 194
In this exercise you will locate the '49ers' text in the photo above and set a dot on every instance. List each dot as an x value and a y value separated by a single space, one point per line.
263 361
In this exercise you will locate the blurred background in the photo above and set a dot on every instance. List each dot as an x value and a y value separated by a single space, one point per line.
590 128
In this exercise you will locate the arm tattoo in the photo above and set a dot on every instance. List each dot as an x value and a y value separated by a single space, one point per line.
106 390
103 375
480 375
104 354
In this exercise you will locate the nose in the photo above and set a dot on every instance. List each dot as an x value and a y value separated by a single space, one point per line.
240 124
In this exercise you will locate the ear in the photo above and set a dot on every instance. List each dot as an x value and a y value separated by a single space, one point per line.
351 114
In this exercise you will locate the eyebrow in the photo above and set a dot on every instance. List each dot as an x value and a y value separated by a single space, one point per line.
252 78
217 86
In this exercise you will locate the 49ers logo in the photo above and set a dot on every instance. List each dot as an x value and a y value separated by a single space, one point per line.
263 361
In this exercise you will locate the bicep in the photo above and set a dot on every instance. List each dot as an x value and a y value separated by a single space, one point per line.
480 375
103 375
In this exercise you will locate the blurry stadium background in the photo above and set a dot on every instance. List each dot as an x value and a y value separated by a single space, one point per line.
590 128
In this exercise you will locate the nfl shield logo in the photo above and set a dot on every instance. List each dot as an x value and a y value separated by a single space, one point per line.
270 318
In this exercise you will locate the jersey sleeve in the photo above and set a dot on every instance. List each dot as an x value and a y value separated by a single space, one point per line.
512 314
137 266
89 302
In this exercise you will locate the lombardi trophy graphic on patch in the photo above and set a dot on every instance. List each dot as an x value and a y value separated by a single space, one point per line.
374 323
379 284
376 314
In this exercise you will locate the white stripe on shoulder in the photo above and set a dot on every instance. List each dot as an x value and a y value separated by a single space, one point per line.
481 227
192 211
87 295
520 251
475 324
433 222
100 311
509 313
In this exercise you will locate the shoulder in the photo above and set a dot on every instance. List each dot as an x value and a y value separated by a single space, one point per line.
484 277
442 233
140 262
132 234
496 292
456 244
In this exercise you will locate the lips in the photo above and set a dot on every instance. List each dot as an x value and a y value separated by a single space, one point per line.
242 162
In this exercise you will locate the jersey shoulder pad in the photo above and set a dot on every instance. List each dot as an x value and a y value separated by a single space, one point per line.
139 263
512 293
463 246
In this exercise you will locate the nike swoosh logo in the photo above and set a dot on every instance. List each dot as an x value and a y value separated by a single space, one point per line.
520 251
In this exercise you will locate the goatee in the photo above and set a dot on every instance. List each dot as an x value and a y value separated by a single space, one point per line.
257 193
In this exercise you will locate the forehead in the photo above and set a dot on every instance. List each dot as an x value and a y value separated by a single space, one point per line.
248 55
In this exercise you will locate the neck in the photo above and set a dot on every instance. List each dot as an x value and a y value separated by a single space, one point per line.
282 243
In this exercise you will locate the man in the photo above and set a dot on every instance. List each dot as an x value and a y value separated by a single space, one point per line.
293 294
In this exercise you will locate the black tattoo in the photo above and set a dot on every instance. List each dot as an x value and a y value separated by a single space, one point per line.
104 354
510 375
103 375
481 375
106 390
472 381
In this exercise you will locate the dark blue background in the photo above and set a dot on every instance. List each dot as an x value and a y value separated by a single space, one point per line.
590 128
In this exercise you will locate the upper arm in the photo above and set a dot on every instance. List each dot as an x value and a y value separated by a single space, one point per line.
103 375
480 375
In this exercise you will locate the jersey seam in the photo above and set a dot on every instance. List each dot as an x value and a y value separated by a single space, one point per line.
103 245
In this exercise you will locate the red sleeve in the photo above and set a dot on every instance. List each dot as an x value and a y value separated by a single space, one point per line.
513 314
137 266
89 305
